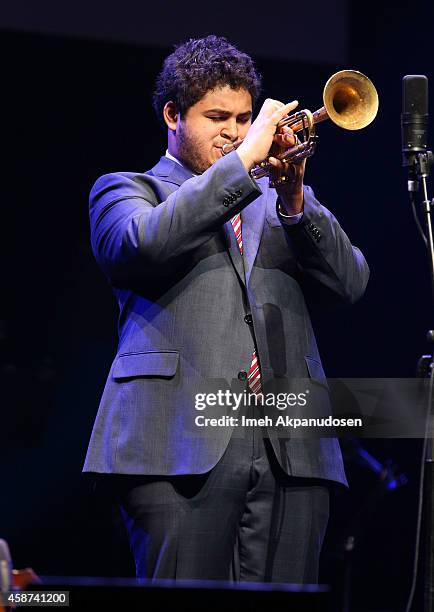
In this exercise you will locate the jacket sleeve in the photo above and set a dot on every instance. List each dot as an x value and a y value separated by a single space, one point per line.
325 253
134 235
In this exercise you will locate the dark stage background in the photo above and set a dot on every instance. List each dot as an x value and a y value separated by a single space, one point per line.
74 108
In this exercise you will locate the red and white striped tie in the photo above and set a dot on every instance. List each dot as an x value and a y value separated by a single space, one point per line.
254 376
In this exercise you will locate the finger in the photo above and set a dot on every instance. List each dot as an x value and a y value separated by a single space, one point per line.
292 138
276 103
285 129
273 104
273 161
282 111
285 140
279 167
270 106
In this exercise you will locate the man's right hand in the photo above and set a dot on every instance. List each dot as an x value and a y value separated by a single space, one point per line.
257 143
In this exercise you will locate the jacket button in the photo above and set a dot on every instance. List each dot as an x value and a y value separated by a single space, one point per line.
242 375
248 319
226 202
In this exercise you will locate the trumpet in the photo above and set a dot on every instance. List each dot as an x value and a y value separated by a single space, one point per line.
350 101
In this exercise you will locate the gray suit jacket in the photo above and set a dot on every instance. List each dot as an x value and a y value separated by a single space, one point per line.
165 242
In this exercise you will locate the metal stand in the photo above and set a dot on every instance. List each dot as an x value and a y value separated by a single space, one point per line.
418 173
419 165
429 535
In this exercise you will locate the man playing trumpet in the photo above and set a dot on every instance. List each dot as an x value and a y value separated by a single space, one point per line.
208 267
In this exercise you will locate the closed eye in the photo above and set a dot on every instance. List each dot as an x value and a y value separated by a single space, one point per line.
242 119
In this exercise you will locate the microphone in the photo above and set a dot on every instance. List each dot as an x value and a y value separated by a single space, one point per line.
414 118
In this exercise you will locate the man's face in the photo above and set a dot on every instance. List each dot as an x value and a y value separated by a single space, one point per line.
222 116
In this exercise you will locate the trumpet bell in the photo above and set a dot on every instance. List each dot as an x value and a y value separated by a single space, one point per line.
350 99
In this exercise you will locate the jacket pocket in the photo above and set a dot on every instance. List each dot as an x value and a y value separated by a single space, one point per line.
316 372
149 363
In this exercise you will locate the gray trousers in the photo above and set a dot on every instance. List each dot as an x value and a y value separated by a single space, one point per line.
245 520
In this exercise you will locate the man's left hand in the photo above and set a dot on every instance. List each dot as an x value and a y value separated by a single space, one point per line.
291 190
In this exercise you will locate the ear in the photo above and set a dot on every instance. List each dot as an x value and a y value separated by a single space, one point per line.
170 115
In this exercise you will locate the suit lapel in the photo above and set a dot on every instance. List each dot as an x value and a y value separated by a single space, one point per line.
171 172
252 219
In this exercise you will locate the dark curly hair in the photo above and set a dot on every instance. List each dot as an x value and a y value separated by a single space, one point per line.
198 66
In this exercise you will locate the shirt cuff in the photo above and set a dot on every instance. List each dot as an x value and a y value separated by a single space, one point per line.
288 219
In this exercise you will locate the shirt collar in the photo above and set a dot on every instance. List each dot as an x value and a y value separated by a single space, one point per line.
170 156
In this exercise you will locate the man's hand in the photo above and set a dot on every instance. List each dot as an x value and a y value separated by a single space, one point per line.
257 143
261 141
291 190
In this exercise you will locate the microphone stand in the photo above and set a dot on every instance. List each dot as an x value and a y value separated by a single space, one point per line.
419 166
418 174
